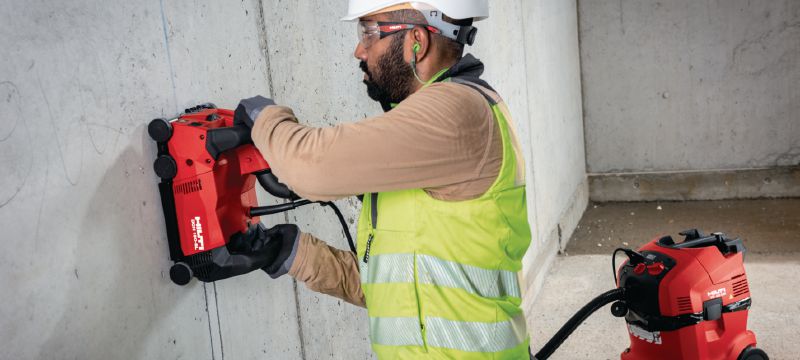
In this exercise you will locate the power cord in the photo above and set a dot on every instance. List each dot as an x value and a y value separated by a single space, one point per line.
633 256
344 224
274 209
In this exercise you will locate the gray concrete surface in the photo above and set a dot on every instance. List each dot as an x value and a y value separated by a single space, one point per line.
773 182
84 271
557 188
86 261
583 271
690 85
765 226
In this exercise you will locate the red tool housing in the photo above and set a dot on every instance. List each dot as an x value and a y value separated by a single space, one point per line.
208 168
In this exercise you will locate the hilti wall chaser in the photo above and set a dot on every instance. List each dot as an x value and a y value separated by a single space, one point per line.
686 300
208 168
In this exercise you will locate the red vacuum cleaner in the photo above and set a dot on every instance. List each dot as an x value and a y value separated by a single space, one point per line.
208 167
686 300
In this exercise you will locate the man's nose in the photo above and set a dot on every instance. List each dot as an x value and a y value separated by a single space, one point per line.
360 52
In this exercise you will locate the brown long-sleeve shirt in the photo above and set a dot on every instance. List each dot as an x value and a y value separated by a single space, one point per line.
442 138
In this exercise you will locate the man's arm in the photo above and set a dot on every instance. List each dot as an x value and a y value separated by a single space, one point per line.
439 136
443 139
327 270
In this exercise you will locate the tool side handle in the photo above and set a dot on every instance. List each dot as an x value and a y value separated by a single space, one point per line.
270 182
223 139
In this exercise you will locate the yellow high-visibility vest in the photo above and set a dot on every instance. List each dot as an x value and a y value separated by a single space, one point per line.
440 277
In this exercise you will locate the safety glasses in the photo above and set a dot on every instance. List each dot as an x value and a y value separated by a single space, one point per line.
370 32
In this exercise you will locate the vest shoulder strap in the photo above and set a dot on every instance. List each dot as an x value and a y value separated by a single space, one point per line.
479 85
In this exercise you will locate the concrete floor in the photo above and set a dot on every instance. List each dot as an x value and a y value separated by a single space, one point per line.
770 229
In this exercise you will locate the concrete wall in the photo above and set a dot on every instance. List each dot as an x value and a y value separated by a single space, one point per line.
85 266
557 189
690 85
84 270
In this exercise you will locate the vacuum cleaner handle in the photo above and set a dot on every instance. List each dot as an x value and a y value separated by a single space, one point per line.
695 239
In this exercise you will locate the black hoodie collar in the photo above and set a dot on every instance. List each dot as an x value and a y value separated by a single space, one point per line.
469 68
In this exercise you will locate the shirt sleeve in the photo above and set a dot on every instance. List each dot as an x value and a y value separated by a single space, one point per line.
437 137
328 270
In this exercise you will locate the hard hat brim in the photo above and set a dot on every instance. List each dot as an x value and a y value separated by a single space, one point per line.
455 14
358 15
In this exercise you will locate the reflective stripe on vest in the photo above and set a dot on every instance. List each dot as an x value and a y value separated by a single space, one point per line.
399 268
462 335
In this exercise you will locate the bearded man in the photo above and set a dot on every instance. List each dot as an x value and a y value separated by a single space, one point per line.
444 226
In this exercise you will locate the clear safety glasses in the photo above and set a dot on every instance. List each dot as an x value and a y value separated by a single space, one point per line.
370 32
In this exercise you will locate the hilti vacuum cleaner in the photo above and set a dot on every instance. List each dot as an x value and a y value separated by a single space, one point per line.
208 168
686 300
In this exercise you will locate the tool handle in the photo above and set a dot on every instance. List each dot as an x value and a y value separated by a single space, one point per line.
223 139
270 182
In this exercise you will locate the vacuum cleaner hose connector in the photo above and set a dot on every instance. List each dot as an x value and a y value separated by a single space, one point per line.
575 321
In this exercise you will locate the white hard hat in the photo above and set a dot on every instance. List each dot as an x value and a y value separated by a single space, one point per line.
456 9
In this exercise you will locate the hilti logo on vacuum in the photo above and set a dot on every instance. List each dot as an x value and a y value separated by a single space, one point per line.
717 293
197 230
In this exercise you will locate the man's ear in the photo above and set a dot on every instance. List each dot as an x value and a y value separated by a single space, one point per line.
420 43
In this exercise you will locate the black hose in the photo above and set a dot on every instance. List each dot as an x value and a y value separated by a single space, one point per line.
576 320
344 224
274 209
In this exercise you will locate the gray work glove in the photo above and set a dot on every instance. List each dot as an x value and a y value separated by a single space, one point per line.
277 245
247 111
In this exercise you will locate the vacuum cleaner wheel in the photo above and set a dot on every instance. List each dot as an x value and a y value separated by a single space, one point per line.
753 353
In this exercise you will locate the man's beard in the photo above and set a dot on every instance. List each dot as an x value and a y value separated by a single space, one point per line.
393 83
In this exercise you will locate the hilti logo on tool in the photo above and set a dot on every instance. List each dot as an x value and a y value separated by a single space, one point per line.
717 293
197 231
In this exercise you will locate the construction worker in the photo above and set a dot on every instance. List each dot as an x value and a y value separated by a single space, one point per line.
444 226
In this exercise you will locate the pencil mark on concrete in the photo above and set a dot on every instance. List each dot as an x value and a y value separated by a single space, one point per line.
104 106
14 195
208 316
263 42
297 305
58 139
164 25
14 95
19 187
299 320
621 17
105 127
219 324
758 54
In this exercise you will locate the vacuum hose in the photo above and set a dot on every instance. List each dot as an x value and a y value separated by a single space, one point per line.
576 320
